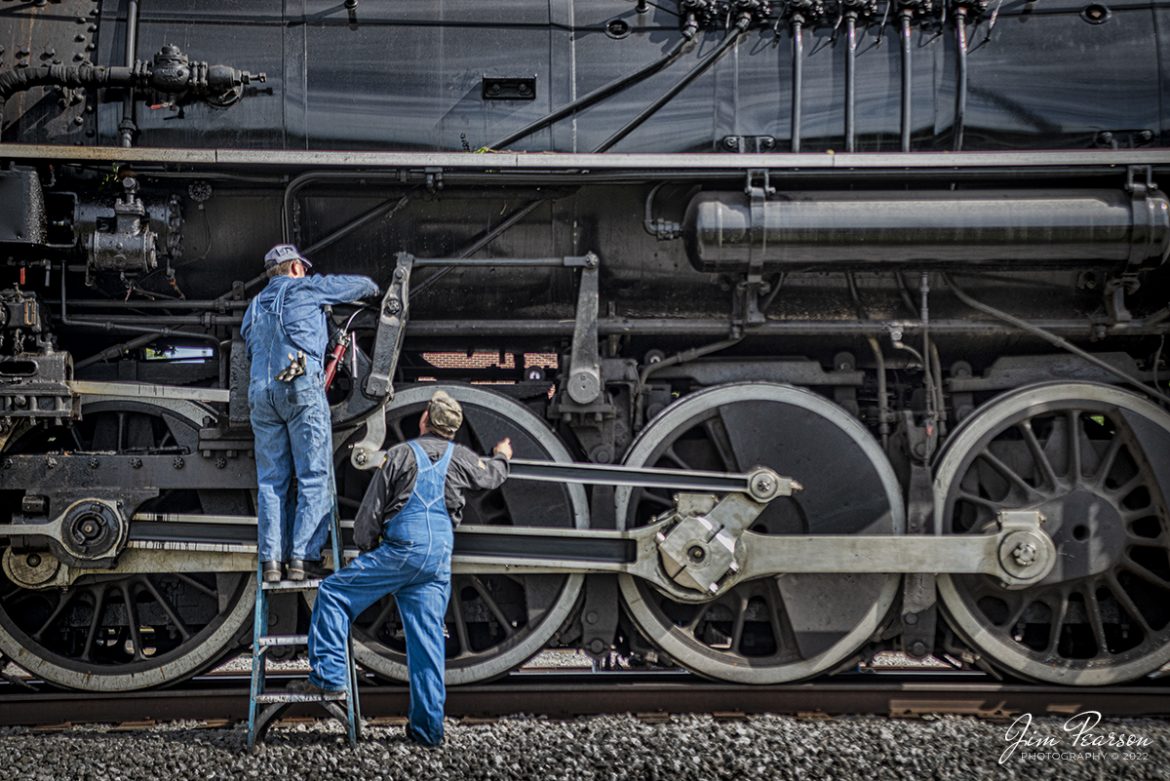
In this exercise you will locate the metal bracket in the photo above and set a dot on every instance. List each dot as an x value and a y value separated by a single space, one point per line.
584 386
746 301
1139 183
391 331
919 593
364 455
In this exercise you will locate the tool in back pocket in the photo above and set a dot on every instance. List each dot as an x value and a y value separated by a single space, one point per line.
295 368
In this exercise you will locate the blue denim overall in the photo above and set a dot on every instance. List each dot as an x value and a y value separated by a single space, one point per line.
293 434
414 564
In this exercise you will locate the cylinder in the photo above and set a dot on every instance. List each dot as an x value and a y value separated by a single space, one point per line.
728 232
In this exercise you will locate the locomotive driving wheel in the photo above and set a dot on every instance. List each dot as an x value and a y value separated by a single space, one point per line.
494 623
1094 461
122 632
787 626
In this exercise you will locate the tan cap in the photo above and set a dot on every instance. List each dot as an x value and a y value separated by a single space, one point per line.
445 414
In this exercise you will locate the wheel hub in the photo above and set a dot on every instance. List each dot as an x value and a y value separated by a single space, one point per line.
92 530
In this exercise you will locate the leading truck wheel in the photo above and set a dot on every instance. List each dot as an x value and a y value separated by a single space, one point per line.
785 627
125 632
1094 461
494 622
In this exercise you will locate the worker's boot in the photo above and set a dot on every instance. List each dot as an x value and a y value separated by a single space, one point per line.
308 687
299 569
272 572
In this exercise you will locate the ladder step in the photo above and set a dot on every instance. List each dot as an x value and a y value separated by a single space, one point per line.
293 585
268 641
269 698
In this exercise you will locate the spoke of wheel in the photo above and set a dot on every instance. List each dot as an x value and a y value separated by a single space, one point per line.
1121 595
460 621
1058 615
1074 445
197 585
650 496
717 432
99 606
62 603
1093 608
480 589
132 621
782 631
121 433
693 625
76 437
1038 455
1009 473
674 457
1130 486
1139 571
966 496
737 626
171 614
1107 460
1018 614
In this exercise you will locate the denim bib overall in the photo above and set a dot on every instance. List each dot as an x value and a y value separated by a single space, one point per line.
293 434
414 564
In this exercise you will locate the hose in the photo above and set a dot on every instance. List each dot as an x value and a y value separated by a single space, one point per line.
961 86
700 68
850 79
1054 340
797 79
907 81
599 94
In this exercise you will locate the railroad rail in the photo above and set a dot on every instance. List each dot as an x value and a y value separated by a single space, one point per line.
224 698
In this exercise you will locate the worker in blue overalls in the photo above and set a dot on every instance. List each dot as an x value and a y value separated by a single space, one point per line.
286 332
413 503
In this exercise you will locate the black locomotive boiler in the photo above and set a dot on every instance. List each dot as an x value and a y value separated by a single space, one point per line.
908 253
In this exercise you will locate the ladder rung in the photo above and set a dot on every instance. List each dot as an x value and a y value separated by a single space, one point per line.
293 585
273 697
268 641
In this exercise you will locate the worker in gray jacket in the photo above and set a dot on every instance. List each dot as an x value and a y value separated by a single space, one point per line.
412 506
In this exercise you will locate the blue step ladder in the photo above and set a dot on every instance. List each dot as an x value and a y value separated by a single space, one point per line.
266 707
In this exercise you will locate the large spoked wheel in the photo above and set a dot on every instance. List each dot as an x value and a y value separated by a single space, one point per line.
1095 462
494 622
126 632
786 627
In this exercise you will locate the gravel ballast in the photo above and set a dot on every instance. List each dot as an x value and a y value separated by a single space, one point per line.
607 747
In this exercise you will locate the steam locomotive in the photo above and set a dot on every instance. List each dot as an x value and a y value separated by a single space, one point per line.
908 253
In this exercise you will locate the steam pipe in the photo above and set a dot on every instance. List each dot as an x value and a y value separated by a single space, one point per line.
108 325
797 78
850 78
907 80
961 86
128 127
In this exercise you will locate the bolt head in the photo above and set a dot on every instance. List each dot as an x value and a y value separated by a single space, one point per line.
1024 554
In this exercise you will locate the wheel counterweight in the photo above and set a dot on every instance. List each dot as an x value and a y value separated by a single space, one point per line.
786 627
1095 462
